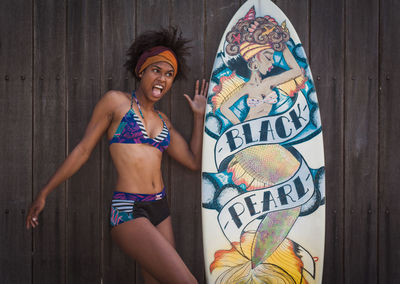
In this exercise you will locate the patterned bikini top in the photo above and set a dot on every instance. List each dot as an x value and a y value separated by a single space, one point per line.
131 130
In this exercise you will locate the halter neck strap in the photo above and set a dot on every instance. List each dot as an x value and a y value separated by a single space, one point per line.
137 102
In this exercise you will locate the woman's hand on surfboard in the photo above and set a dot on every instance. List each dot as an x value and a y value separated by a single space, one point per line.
199 101
32 220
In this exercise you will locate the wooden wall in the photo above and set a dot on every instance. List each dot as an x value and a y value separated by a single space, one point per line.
58 57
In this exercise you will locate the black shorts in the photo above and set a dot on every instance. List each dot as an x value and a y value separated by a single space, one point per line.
129 206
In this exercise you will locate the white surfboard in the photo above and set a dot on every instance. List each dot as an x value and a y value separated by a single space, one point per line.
263 177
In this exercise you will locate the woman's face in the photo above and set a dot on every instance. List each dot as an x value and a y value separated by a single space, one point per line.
264 60
156 80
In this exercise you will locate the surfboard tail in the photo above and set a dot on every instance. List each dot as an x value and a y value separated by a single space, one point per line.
284 265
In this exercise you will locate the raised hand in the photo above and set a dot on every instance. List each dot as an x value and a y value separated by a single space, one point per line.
199 101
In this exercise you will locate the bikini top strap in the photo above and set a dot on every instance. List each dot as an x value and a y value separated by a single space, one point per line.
160 116
137 103
133 96
162 119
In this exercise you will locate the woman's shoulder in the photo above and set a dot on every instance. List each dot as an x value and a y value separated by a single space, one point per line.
117 96
113 98
112 102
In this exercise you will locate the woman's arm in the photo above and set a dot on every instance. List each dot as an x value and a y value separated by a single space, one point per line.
293 72
100 121
190 155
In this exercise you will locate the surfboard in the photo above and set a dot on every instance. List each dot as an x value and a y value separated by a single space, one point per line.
263 175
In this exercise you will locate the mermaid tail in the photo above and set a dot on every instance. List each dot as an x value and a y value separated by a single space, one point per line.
264 256
272 230
284 266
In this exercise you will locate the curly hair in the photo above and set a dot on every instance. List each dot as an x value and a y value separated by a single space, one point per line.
171 38
254 31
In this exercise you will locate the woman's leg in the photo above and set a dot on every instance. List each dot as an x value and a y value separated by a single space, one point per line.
145 243
165 228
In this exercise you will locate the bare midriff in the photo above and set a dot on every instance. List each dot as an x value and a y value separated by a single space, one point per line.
138 167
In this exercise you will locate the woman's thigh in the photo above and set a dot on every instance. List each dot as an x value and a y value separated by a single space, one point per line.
152 249
165 228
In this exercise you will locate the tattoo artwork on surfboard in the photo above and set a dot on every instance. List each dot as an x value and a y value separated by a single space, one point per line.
263 175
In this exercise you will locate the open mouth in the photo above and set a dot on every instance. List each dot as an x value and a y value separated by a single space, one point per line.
157 89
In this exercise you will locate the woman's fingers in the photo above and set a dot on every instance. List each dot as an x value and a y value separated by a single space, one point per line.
206 89
35 221
197 88
29 219
202 87
32 220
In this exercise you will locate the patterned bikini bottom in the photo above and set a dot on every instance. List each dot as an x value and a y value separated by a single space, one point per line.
129 206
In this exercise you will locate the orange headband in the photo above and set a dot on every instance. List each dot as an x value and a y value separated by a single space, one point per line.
156 54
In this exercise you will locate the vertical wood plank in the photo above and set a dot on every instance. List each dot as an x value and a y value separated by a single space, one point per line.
326 49
84 71
185 185
16 143
298 14
118 32
389 137
49 139
361 141
217 17
146 13
153 15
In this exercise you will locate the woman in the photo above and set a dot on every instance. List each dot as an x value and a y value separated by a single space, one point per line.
260 39
138 135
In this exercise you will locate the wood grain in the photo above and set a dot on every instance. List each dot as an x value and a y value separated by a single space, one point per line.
185 185
389 135
118 30
83 189
298 13
361 141
150 16
326 55
49 140
16 144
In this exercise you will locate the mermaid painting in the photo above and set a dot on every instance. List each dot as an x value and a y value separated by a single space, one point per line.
264 253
